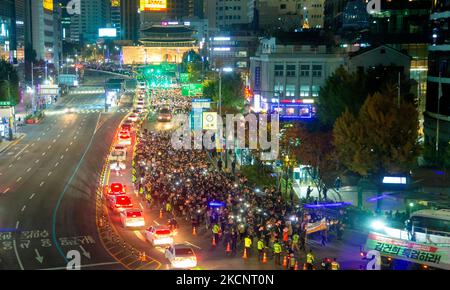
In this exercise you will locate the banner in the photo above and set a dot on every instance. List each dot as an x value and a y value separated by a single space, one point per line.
316 227
428 254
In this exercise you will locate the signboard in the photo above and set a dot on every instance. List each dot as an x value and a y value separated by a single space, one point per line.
209 121
189 90
201 103
257 78
153 5
107 32
184 78
196 119
316 227
6 104
434 256
48 5
48 90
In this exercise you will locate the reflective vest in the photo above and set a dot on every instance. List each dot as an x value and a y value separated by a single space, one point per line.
247 242
309 258
292 261
168 207
148 196
215 229
141 190
260 245
295 238
133 179
276 248
334 265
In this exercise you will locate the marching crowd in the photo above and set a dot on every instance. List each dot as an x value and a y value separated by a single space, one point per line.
184 185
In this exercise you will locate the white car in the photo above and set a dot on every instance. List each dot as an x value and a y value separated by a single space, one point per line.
133 118
159 235
118 154
181 256
140 105
124 138
132 218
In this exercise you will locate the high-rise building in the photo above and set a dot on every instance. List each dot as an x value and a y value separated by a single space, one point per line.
224 14
333 14
94 15
355 16
129 20
115 15
8 41
437 114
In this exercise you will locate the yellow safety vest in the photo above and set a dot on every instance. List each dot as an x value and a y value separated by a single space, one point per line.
248 242
292 261
334 265
277 248
215 229
168 207
260 245
295 239
309 258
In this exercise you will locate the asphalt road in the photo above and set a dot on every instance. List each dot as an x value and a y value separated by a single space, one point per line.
47 187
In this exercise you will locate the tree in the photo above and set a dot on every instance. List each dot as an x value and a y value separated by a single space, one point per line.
193 65
381 139
232 92
9 82
345 90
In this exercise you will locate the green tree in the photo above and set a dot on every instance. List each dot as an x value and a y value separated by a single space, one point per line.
9 82
381 139
233 100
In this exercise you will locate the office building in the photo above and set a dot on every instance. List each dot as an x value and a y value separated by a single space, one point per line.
129 20
94 15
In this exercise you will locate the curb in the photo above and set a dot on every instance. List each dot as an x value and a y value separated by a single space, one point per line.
13 143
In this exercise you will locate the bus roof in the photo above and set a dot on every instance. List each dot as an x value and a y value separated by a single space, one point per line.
443 214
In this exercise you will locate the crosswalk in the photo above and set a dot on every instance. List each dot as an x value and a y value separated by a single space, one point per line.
91 111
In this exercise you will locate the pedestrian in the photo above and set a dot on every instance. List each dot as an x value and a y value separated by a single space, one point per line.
323 235
325 191
277 253
295 240
248 244
310 260
233 167
260 246
234 237
292 261
335 265
337 183
219 164
308 192
215 231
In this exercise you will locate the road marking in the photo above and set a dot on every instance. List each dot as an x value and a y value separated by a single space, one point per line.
43 153
71 143
10 165
18 158
54 140
39 138
74 137
84 266
62 130
31 196
37 160
62 156
6 190
50 173
17 225
18 179
23 208
59 135
140 236
49 146
156 223
67 149
193 245
142 207
43 133
29 169
21 150
56 164
42 183
17 255
32 145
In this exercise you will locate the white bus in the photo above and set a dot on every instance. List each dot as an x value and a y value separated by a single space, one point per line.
432 222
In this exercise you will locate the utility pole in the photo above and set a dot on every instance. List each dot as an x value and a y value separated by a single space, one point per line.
398 93
438 114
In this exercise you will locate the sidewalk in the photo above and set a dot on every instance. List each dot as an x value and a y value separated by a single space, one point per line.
5 144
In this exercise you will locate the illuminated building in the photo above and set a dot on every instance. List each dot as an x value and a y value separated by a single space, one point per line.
129 20
437 114
94 15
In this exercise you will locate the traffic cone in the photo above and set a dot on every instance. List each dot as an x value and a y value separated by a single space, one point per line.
264 259
143 257
160 213
285 261
214 241
228 250
194 231
296 266
304 266
245 253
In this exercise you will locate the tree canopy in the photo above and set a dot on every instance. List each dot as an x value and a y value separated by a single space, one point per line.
232 92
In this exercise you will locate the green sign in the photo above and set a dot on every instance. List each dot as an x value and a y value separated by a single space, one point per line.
432 255
6 104
189 90
184 78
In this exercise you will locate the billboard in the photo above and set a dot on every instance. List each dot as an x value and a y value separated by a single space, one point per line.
48 5
107 32
153 5
115 3
188 90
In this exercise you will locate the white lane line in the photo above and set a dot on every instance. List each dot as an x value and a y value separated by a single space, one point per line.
49 146
54 141
29 169
43 153
39 138
56 164
74 137
21 150
62 130
156 223
142 207
140 236
32 145
18 158
67 149
62 156
31 196
59 135
10 165
18 179
17 255
37 160
23 208
42 183
50 173
43 133
6 190
71 142
17 224
193 245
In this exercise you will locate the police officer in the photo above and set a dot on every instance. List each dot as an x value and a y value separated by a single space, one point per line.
295 241
277 252
168 207
335 265
248 245
292 261
215 231
260 246
309 260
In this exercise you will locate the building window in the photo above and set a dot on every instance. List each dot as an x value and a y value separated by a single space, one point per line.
283 6
304 91
278 90
279 69
290 70
317 70
315 91
304 70
290 91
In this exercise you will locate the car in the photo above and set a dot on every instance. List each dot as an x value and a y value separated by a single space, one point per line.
133 118
119 202
116 188
140 105
132 218
124 138
159 235
126 126
164 115
118 154
69 110
181 256
137 111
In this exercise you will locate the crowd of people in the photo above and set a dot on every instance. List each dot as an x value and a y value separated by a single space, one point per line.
186 185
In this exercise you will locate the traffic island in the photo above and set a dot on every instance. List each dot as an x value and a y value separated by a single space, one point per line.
34 118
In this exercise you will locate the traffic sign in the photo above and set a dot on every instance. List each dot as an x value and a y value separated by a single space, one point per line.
6 104
209 121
